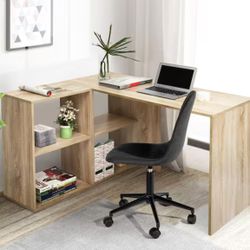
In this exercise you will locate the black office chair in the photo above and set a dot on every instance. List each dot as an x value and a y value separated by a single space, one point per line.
147 154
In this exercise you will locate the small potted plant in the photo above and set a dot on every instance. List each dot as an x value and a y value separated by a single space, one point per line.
119 48
2 123
67 119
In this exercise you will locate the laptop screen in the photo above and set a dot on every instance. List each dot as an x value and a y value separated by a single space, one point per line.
175 77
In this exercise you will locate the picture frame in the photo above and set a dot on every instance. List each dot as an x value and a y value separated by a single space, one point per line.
29 24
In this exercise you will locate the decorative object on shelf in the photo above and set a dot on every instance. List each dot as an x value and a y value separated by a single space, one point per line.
118 48
2 123
29 24
44 135
67 119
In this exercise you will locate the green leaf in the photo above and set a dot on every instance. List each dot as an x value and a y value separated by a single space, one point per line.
110 31
1 95
125 39
123 44
124 51
2 124
98 45
99 38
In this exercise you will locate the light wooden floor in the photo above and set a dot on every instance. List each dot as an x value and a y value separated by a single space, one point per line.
190 188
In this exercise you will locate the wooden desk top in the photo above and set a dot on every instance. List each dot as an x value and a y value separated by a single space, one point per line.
68 88
218 102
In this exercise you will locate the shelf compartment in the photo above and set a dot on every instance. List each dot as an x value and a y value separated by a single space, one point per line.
62 143
110 122
81 186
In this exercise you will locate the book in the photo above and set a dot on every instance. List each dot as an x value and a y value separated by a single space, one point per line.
125 82
53 178
50 195
55 190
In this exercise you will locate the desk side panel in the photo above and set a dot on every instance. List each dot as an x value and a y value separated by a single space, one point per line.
229 165
78 158
18 142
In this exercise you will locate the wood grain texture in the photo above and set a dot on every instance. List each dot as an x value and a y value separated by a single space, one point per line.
62 143
68 87
218 102
110 122
18 146
147 127
78 158
229 165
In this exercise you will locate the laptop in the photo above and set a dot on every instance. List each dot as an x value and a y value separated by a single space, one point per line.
172 81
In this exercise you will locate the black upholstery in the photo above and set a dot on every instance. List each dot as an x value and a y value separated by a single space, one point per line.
156 154
147 154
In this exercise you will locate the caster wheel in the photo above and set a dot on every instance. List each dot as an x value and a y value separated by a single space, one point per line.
166 204
191 219
154 232
123 202
108 221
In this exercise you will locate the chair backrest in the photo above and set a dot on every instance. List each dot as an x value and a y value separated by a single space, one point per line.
178 137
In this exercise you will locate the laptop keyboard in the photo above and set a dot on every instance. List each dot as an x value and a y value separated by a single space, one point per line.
167 91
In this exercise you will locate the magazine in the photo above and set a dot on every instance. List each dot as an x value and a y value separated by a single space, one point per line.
53 178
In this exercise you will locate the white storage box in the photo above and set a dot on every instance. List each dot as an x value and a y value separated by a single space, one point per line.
98 153
109 170
108 166
99 175
102 167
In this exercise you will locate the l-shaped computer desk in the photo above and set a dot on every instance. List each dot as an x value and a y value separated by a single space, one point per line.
229 171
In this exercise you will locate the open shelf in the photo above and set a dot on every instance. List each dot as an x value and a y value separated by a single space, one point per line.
111 122
62 143
81 185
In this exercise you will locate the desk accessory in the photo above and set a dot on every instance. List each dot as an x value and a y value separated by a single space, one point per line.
125 82
37 90
44 135
67 119
172 81
118 48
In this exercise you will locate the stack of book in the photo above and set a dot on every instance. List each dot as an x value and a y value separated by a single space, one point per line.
53 182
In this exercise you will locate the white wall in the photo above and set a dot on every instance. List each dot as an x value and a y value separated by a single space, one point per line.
72 54
222 57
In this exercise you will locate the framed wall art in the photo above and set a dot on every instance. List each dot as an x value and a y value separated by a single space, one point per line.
29 23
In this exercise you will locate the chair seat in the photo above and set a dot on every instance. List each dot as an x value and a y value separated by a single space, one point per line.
139 154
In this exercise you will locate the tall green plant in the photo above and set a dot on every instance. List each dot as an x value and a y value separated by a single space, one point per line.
2 123
118 48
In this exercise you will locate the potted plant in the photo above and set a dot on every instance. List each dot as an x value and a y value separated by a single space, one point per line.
118 48
67 119
2 123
